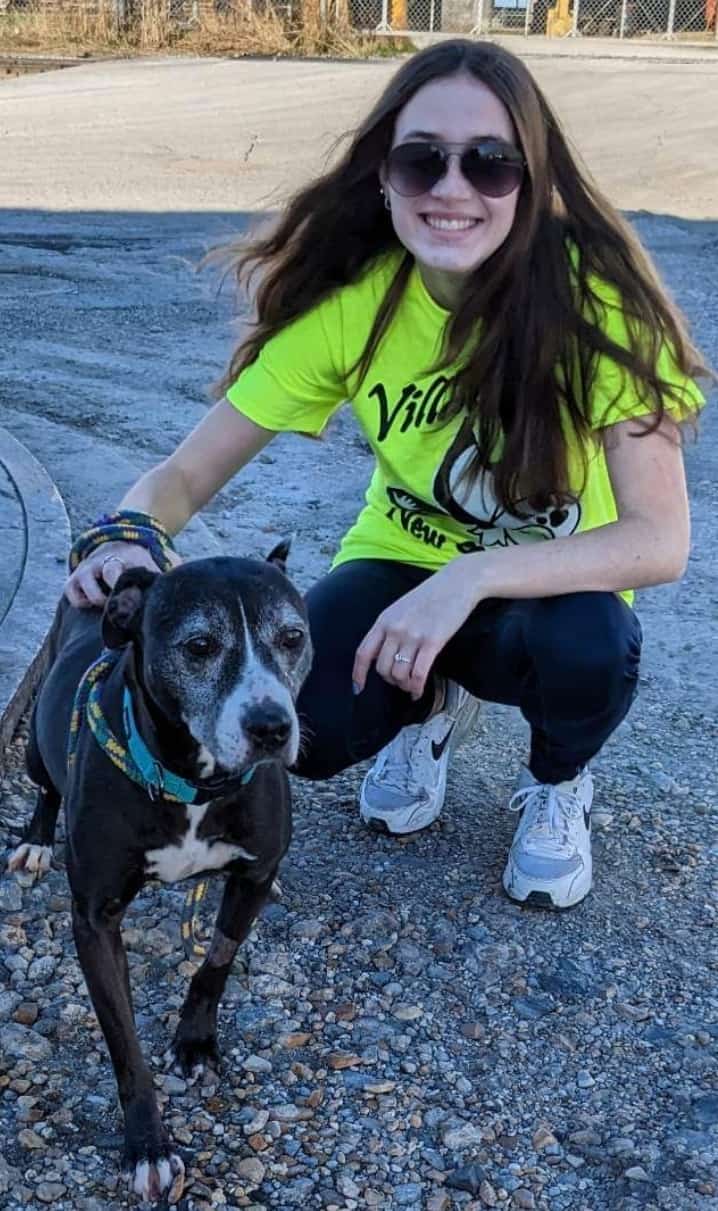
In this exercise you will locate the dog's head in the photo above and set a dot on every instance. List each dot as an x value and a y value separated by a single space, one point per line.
223 647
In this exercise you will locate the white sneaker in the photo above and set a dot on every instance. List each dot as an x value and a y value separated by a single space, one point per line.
405 788
549 864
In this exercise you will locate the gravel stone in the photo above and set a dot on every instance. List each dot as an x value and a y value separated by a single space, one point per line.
10 896
41 969
251 1170
9 1176
8 1003
50 1192
465 1136
24 1044
705 1109
637 1174
407 1194
468 1177
256 1063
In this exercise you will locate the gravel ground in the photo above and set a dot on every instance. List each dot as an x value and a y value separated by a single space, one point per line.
398 1034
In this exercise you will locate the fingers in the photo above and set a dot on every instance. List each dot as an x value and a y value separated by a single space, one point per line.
423 664
395 661
411 673
82 589
366 653
85 587
401 660
111 568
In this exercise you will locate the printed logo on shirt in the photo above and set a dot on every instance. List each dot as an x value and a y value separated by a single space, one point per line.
415 408
485 522
410 512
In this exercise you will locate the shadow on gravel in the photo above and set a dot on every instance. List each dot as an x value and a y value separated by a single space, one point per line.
414 1035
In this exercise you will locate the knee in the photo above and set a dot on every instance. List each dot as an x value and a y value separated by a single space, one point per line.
316 765
323 747
593 636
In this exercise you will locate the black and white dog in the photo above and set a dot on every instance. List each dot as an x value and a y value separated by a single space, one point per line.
213 656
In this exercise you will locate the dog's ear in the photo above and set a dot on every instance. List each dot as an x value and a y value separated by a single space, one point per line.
122 618
279 554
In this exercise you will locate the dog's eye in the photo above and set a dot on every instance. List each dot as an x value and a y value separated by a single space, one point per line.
200 645
291 638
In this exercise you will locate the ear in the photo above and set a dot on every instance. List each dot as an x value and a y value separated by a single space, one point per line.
279 554
122 618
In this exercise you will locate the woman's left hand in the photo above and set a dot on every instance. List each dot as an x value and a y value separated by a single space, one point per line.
417 627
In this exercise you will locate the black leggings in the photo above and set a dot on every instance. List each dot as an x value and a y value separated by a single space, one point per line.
569 663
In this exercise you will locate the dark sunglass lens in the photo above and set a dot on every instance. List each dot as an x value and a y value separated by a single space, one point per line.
495 175
414 168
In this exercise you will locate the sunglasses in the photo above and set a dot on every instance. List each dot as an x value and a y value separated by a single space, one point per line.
492 168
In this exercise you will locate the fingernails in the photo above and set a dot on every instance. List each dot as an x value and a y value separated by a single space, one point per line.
356 689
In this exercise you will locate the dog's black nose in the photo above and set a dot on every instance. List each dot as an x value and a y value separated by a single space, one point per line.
267 726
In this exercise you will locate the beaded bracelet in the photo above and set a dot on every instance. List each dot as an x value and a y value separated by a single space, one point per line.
126 525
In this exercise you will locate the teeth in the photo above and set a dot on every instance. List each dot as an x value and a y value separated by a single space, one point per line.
449 224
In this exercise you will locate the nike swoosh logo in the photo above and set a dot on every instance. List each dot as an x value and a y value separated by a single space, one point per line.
437 749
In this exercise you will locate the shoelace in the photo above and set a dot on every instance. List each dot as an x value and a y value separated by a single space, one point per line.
552 811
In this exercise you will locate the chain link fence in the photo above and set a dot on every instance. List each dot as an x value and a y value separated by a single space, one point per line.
668 19
687 20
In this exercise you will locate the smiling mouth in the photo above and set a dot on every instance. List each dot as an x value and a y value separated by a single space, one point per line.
436 223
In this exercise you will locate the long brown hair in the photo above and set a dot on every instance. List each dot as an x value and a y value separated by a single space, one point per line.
527 330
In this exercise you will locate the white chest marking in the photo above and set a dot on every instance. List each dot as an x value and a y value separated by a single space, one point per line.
192 854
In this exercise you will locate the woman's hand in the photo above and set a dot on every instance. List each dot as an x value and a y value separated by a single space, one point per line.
417 627
107 563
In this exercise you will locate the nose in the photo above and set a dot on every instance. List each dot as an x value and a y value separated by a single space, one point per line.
453 183
267 726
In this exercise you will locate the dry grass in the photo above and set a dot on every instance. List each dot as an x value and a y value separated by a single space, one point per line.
54 27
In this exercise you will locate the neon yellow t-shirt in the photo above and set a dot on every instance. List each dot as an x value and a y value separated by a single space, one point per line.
417 510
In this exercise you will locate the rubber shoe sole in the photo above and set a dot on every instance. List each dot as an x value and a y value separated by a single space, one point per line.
417 822
555 899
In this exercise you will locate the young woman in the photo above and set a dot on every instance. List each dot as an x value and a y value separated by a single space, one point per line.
520 375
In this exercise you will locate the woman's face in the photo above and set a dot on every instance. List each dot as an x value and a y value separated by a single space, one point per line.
452 228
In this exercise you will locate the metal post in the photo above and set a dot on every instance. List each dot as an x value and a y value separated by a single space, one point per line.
527 22
384 27
671 18
574 27
432 14
622 27
478 27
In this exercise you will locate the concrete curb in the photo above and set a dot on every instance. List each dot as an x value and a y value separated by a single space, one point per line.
35 538
40 530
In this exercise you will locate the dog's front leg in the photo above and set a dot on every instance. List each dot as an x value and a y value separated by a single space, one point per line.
154 1168
195 1041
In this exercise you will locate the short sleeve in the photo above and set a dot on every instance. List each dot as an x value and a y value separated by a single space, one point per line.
617 396
298 380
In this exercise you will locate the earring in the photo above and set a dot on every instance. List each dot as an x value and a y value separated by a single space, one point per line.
387 203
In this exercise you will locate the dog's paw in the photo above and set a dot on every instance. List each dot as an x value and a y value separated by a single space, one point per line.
29 862
161 1177
190 1057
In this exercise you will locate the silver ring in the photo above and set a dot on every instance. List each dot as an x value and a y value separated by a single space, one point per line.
403 659
109 559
